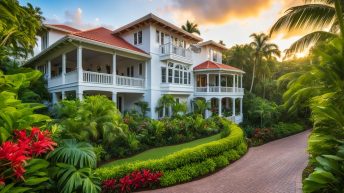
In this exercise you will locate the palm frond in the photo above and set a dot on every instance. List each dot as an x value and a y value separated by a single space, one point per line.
305 17
308 40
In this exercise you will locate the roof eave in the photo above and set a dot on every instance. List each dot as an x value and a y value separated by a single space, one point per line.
218 69
156 18
57 28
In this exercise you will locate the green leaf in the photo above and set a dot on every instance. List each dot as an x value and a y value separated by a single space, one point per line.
34 181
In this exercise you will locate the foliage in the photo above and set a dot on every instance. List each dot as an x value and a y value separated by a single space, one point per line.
200 106
19 169
233 144
314 16
144 107
260 112
94 119
329 175
191 27
19 26
262 50
165 104
179 109
133 181
260 136
73 164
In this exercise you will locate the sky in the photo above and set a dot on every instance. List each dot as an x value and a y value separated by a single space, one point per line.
229 20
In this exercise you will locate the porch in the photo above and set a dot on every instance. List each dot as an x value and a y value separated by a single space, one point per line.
221 83
91 67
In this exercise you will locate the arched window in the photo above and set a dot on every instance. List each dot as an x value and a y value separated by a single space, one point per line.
176 73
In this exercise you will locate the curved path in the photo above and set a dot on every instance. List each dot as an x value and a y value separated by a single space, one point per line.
275 167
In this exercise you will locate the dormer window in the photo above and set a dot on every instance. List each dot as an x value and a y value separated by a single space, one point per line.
213 55
138 38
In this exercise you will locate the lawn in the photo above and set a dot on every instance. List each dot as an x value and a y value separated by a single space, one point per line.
159 152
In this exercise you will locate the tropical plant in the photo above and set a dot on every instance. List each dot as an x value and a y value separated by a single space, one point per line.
316 16
18 28
165 104
329 175
191 27
73 167
262 49
144 107
200 106
179 109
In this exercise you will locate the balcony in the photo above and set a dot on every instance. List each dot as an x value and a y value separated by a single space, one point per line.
171 52
130 81
219 90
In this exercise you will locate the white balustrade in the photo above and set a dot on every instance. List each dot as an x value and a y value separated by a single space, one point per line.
96 77
201 89
71 77
218 88
169 48
55 81
130 81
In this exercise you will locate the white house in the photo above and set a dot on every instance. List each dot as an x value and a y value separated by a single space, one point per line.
142 60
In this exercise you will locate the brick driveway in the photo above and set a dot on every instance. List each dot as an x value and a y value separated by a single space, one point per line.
275 167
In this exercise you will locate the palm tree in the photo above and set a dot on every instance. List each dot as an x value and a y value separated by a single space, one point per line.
191 27
315 15
144 107
165 104
19 26
200 106
262 49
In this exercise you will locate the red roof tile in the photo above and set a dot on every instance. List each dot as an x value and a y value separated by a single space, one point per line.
215 66
104 35
65 27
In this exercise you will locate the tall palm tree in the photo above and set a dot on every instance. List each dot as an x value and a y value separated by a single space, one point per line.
262 49
165 104
315 15
191 27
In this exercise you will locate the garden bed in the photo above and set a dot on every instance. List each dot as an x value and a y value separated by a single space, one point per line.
160 152
187 164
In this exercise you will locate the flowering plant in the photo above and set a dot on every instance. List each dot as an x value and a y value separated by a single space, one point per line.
25 146
133 181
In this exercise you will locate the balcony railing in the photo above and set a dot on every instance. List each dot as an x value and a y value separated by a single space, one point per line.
130 81
96 77
169 48
217 89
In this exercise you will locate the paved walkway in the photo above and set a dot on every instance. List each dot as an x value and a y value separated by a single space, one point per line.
275 167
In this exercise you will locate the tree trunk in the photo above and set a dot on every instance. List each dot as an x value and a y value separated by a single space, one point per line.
339 14
253 73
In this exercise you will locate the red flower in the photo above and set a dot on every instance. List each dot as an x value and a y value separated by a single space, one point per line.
125 184
2 181
137 179
109 184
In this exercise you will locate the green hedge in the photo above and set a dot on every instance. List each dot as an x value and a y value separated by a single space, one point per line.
189 163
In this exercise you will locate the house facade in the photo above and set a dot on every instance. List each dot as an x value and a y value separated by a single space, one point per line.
142 60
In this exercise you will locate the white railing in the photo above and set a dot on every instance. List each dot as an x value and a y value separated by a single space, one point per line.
96 77
201 89
221 89
169 48
130 81
214 88
55 81
71 77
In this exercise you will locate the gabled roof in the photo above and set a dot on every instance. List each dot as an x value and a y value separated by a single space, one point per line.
209 65
61 27
211 42
104 35
151 18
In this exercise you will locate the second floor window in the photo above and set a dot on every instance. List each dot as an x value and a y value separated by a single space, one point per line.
140 69
138 38
215 56
157 36
44 41
176 73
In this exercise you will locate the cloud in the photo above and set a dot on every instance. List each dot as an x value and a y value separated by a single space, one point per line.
217 11
74 18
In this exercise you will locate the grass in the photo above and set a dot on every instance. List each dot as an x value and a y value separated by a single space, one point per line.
160 152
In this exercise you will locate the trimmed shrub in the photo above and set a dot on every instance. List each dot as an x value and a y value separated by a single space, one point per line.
187 164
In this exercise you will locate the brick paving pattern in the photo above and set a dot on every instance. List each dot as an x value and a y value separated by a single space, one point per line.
275 167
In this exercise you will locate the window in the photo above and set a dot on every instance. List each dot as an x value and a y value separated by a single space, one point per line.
214 56
140 69
157 36
140 37
163 74
177 73
128 71
135 38
162 38
44 41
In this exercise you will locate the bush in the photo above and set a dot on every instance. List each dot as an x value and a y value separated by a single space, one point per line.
189 163
285 129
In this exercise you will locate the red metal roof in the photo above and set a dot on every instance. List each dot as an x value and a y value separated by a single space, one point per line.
64 27
214 66
104 35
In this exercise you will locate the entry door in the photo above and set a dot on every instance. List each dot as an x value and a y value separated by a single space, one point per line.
119 103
